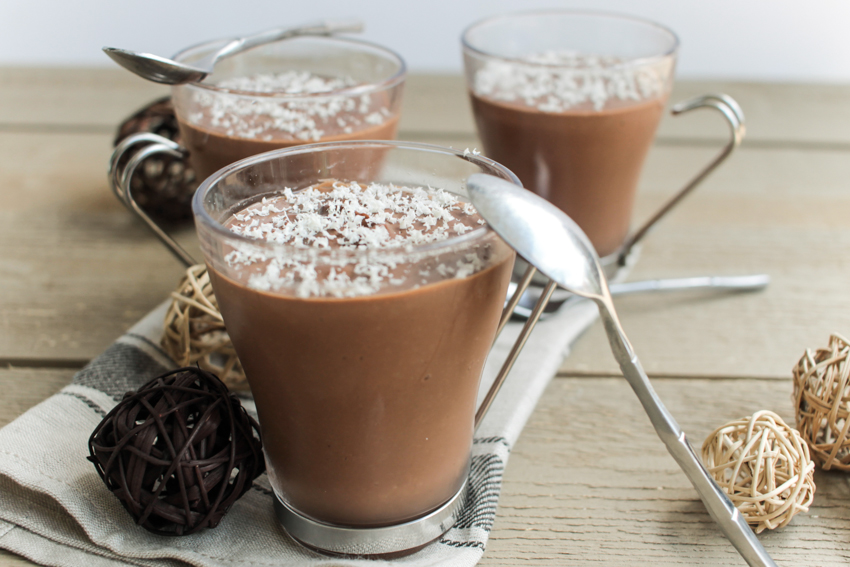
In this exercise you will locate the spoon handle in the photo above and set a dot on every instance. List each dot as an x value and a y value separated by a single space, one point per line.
743 283
721 509
326 27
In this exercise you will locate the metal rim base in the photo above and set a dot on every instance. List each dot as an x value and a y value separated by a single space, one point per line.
340 540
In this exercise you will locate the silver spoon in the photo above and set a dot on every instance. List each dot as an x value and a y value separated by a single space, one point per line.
721 283
170 72
550 241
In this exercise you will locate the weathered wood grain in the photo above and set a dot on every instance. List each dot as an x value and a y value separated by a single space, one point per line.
780 212
589 483
84 99
25 387
582 487
89 99
76 269
777 211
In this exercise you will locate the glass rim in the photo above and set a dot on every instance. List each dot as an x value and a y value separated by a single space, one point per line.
201 215
602 15
356 90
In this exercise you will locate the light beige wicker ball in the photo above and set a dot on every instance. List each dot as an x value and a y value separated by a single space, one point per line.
822 402
195 333
764 467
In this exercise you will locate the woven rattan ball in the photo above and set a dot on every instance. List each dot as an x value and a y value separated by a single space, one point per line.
763 466
821 396
164 185
194 330
178 452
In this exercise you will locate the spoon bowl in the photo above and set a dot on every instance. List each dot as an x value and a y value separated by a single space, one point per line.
550 241
155 68
167 71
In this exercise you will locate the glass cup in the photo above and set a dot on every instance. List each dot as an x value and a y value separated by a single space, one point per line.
334 89
366 395
570 102
295 91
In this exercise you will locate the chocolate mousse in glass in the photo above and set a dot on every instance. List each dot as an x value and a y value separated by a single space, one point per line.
570 102
296 91
362 292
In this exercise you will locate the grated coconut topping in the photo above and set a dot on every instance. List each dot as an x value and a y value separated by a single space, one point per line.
334 216
269 118
556 81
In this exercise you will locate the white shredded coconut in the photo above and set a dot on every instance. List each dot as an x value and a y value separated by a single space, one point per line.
267 118
556 81
290 82
349 216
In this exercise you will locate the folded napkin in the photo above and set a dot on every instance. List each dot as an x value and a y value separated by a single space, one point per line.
55 510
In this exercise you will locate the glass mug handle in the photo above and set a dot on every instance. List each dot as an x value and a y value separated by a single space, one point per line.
734 116
120 177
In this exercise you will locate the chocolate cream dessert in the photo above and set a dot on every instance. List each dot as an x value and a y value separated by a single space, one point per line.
364 343
575 129
277 111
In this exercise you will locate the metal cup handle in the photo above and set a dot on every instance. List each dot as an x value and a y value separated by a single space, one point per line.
142 146
731 111
523 284
734 116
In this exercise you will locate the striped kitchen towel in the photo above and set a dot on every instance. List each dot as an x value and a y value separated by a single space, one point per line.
55 510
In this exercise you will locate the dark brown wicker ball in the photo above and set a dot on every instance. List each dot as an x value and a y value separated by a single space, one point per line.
179 452
163 185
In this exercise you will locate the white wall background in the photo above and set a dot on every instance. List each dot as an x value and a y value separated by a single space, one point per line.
757 40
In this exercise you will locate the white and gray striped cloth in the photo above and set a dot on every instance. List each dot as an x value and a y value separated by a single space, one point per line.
55 510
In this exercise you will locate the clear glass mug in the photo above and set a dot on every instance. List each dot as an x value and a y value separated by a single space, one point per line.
366 403
221 123
570 102
354 92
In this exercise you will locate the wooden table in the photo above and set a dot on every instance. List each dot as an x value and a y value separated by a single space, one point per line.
588 482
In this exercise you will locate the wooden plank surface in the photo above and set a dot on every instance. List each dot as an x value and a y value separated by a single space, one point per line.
583 483
25 387
77 268
589 483
98 99
91 100
783 212
777 211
